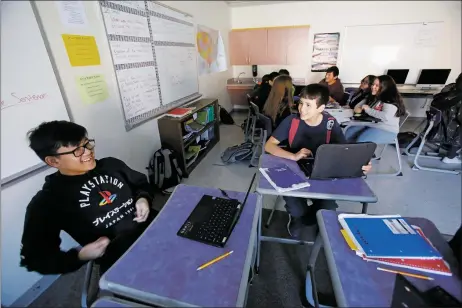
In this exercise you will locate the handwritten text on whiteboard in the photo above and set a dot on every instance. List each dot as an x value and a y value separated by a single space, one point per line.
16 99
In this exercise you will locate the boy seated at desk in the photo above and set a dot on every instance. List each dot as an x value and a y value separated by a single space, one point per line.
310 134
102 204
333 83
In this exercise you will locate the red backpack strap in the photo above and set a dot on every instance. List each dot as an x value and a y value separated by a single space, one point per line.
293 129
330 125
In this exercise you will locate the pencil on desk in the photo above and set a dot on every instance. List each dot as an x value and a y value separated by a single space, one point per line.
214 260
404 273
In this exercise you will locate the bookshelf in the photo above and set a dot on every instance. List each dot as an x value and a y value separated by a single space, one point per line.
202 126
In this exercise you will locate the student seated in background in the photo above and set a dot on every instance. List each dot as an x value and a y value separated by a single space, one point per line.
333 83
102 204
280 100
386 104
363 92
260 95
283 71
310 135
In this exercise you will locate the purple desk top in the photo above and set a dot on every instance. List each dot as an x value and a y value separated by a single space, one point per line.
355 190
358 283
111 302
160 268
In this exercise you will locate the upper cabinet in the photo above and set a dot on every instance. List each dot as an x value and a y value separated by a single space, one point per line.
269 46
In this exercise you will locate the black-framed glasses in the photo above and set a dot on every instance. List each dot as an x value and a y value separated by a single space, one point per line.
78 151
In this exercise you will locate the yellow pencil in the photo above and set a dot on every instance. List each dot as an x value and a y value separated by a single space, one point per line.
214 260
404 273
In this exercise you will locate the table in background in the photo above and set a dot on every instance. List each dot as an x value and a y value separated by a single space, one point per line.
160 268
358 283
341 114
354 190
112 302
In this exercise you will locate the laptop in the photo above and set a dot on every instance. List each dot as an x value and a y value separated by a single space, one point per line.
213 219
338 161
365 118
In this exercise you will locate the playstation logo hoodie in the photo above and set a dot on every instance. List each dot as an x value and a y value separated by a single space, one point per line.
87 207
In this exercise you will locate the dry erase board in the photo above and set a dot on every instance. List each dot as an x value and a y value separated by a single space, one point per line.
372 49
30 93
154 56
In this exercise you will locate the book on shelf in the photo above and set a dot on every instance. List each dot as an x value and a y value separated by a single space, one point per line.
180 112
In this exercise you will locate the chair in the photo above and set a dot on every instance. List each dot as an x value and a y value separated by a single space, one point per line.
434 117
249 121
395 142
346 97
86 285
263 133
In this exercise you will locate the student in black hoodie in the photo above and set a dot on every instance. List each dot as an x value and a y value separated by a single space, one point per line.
102 204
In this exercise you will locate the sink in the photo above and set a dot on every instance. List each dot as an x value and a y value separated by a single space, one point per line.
242 81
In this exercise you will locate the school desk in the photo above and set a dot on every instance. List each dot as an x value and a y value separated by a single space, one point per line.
160 267
354 190
112 302
358 283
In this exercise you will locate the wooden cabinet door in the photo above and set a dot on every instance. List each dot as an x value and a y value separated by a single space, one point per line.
297 46
239 47
258 43
277 46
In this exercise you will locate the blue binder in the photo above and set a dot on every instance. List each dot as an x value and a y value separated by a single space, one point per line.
387 237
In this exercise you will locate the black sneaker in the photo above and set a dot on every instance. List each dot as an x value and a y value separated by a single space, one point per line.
294 227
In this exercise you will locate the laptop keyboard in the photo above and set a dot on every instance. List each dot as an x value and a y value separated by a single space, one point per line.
210 221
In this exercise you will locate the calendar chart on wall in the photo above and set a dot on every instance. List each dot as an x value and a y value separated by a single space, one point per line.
154 56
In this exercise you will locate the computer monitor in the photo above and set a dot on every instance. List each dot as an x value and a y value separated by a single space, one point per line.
399 76
432 77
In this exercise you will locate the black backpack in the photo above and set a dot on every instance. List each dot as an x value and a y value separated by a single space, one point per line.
164 171
225 117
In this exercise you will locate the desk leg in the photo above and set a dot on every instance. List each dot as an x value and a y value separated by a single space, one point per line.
364 211
259 238
311 267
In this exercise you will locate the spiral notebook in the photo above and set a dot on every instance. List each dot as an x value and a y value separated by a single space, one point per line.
387 236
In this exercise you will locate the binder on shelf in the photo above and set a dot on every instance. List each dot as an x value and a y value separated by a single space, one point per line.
180 112
388 236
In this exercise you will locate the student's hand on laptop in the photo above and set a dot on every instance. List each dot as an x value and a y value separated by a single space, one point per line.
303 153
358 109
94 250
367 168
142 210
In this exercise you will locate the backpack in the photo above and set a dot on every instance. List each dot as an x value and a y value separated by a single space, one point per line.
238 152
164 172
296 122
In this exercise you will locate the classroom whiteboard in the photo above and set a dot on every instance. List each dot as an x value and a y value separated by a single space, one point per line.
154 55
373 49
30 93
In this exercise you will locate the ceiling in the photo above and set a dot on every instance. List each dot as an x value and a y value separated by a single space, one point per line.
249 3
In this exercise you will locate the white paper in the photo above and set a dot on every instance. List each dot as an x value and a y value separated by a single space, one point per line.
177 72
121 23
72 13
131 52
155 7
139 90
169 31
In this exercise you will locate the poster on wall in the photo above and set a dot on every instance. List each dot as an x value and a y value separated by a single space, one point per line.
211 50
325 51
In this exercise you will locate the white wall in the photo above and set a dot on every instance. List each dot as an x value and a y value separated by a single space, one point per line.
104 122
334 16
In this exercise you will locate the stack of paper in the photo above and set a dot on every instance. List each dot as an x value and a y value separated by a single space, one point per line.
283 179
391 241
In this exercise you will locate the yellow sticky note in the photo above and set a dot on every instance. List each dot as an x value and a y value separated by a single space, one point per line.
92 88
348 240
81 50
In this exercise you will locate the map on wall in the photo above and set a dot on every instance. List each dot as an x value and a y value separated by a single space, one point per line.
211 50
